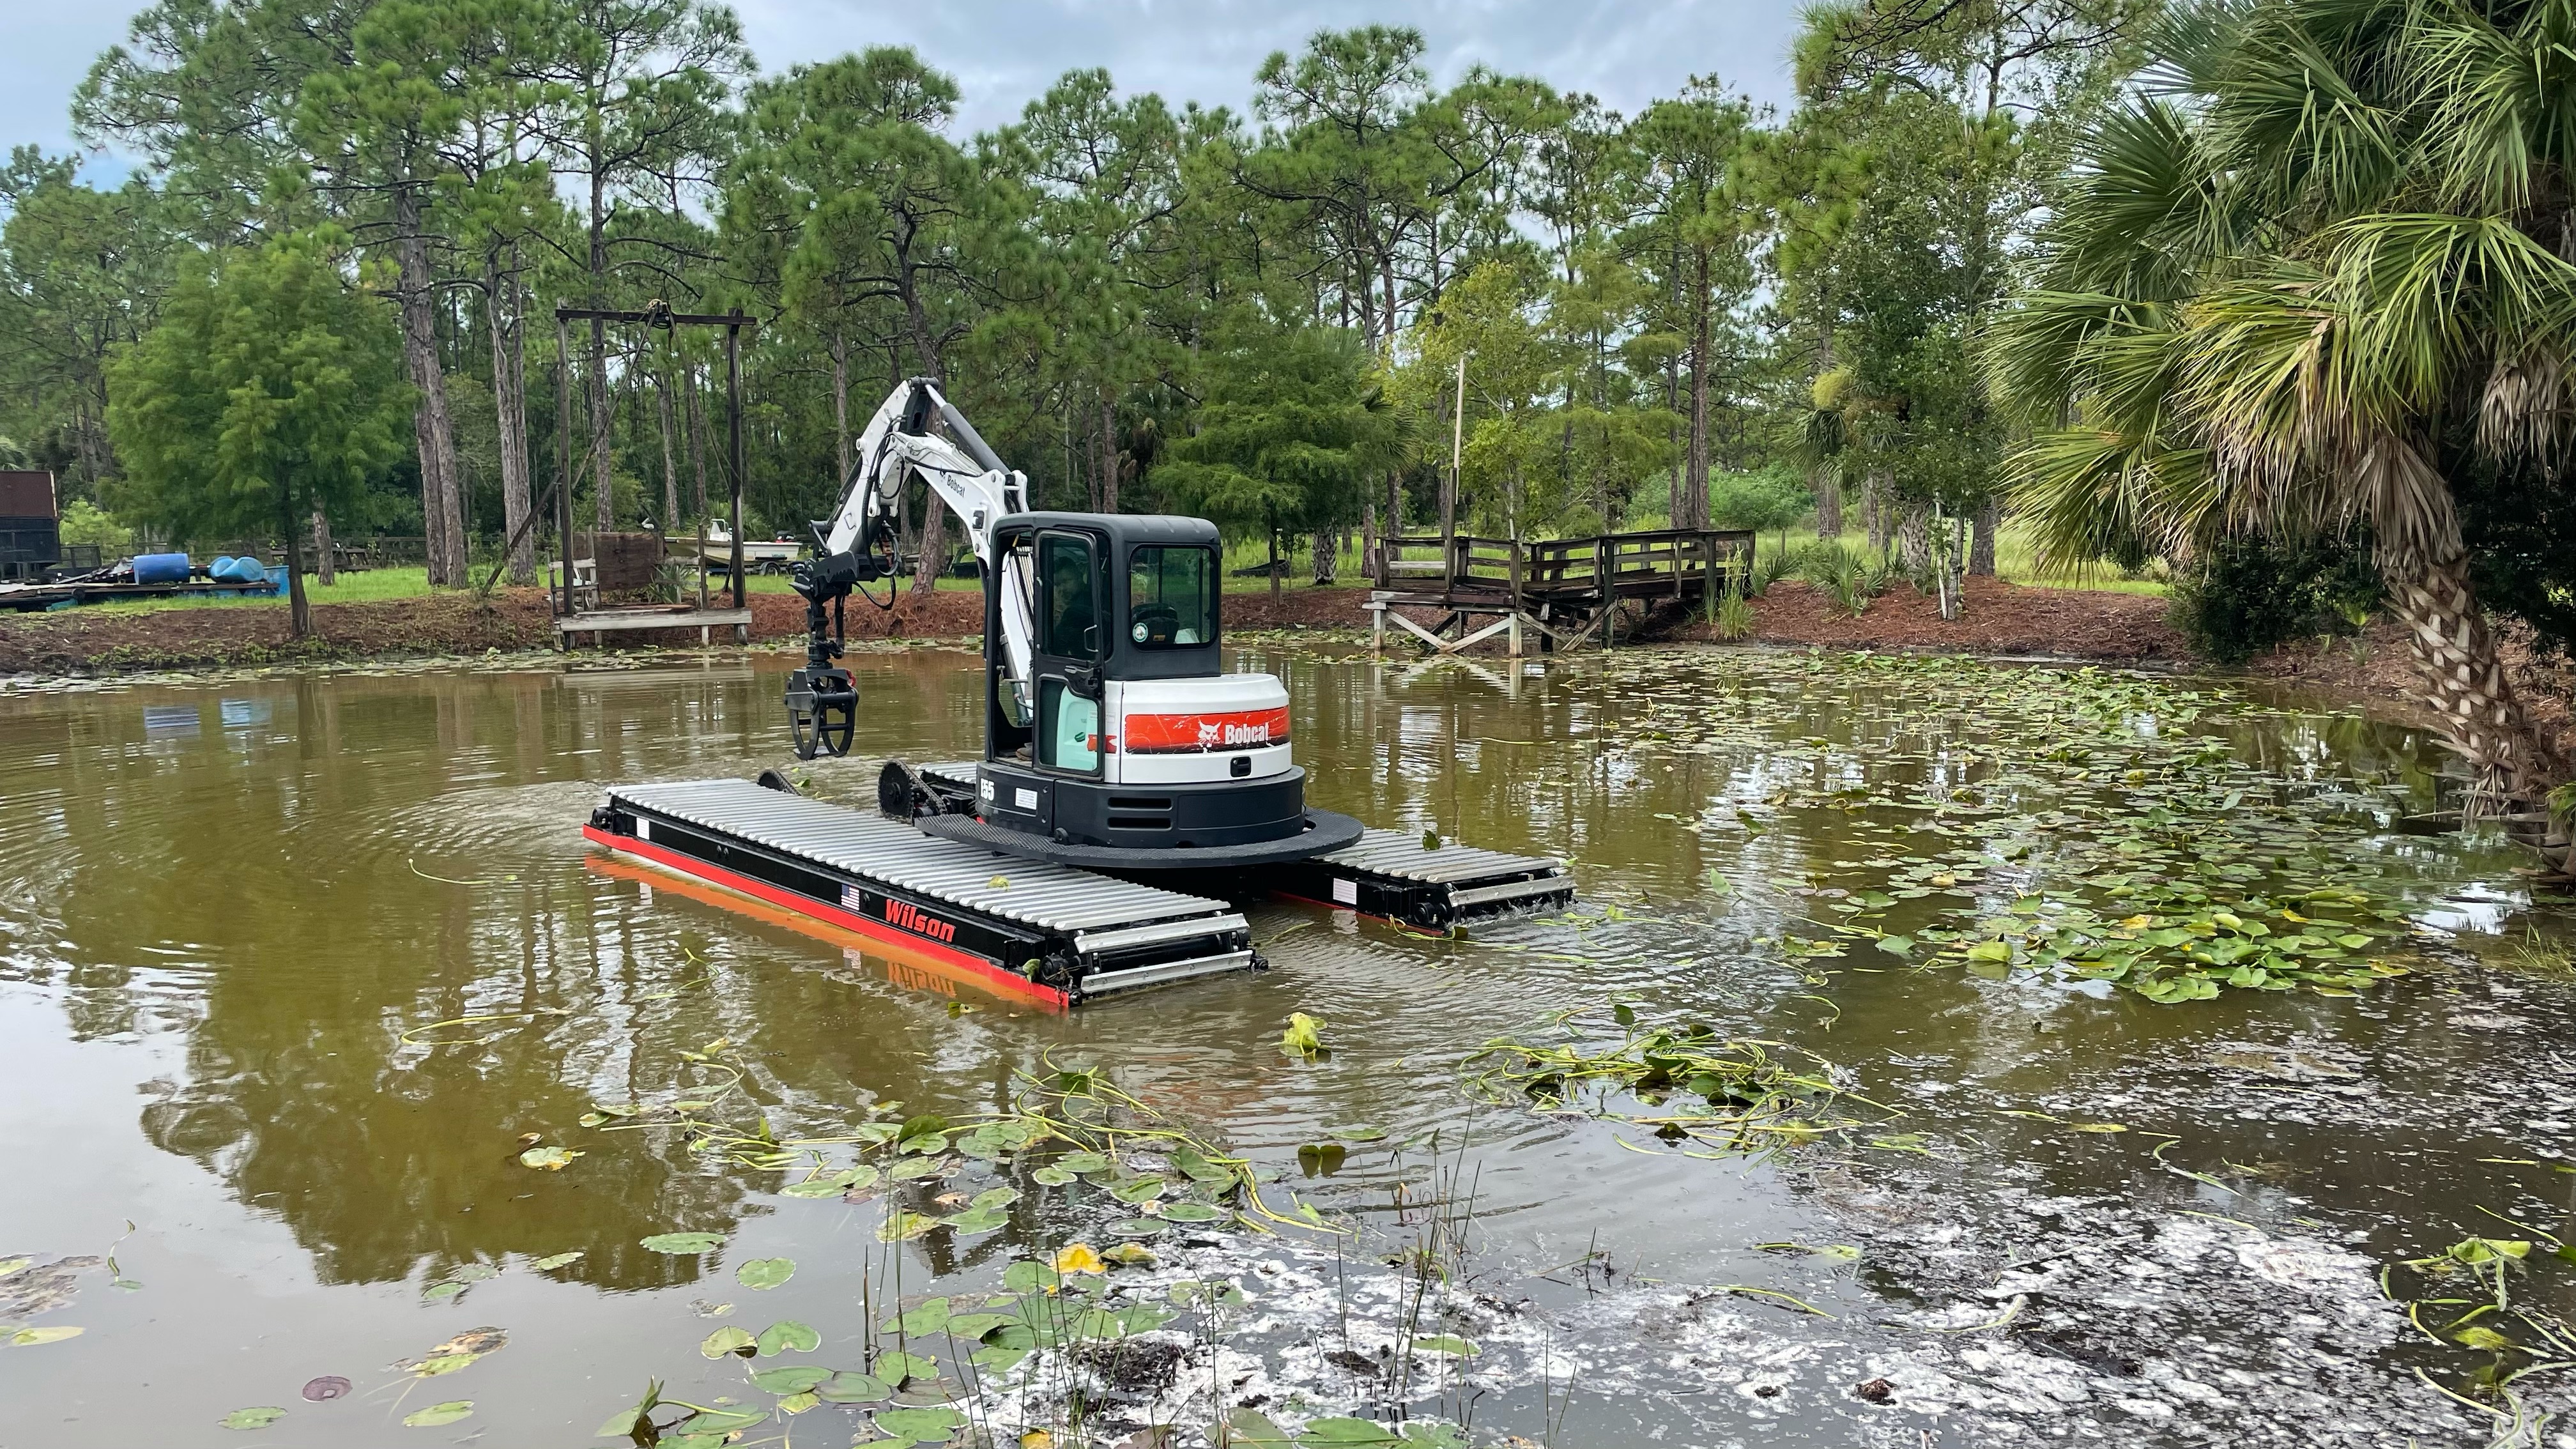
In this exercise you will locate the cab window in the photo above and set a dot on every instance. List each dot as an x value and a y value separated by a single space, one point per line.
1171 596
1072 608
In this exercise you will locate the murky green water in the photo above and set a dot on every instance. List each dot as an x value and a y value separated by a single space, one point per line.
232 916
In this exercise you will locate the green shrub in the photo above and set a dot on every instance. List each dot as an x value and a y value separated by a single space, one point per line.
2247 595
1842 572
85 522
1734 617
1770 499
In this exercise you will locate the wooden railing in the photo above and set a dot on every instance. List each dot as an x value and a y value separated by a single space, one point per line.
1670 562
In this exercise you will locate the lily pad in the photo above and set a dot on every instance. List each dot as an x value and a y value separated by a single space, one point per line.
846 1387
979 1220
996 1197
684 1245
727 1340
1082 1162
921 1320
1051 1177
787 1336
259 1417
552 1261
549 1159
437 1414
1193 1212
30 1337
791 1379
765 1272
1027 1275
919 1426
1138 1189
1138 1227
904 1368
903 1227
1346 1433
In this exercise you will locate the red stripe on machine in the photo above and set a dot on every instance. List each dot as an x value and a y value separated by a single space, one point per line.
912 918
1192 734
761 890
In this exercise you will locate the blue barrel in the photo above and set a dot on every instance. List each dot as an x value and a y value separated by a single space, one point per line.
221 569
245 570
160 568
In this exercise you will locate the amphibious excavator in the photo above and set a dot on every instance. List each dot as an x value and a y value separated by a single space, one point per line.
1131 787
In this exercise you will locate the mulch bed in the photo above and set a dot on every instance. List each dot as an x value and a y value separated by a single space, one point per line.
2000 619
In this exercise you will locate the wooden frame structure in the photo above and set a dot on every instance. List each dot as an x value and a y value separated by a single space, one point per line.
570 620
1560 588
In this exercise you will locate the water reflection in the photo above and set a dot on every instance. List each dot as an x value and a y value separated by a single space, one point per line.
275 893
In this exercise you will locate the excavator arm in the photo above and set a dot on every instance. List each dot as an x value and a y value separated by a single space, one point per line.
915 433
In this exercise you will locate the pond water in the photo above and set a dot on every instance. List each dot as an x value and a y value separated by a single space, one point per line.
301 977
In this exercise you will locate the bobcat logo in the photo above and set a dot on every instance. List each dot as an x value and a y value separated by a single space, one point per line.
1210 733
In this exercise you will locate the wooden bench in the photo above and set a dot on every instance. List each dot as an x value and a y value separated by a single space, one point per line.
600 623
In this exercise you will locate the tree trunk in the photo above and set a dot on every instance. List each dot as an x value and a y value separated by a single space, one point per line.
1694 509
1368 537
1874 511
1108 456
442 514
602 454
1274 560
1914 539
1326 565
698 448
299 610
840 347
1981 545
2464 681
1829 504
934 521
508 317
670 455
322 547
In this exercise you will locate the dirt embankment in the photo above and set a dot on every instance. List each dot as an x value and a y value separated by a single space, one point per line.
2377 663
77 641
2000 618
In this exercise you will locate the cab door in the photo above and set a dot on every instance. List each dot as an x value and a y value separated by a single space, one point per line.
1073 632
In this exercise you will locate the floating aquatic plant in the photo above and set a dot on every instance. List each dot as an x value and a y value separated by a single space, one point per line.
1729 1095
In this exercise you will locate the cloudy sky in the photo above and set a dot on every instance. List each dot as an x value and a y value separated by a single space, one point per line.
1004 53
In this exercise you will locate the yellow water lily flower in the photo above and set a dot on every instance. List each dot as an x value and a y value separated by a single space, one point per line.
1079 1258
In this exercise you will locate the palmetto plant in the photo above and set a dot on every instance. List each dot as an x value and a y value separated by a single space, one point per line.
2322 262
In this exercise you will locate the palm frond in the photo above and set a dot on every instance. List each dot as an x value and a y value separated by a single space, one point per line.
2087 492
2500 104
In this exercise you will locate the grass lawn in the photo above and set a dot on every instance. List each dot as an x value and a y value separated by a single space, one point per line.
2015 562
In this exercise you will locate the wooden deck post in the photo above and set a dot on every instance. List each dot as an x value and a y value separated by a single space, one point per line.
1516 598
1604 553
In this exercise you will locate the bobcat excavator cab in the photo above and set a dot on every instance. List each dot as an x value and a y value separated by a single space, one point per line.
1113 735
1131 789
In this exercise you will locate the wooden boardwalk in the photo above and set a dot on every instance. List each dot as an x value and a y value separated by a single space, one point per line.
1561 589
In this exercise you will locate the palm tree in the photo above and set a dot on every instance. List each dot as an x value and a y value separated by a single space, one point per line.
2322 262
